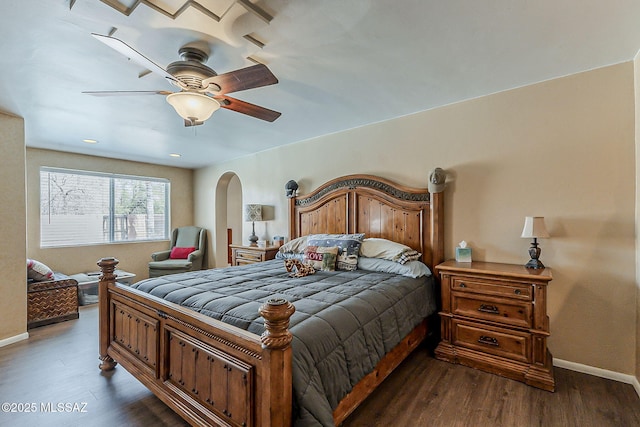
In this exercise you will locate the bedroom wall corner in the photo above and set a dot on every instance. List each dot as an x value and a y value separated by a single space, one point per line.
636 69
13 229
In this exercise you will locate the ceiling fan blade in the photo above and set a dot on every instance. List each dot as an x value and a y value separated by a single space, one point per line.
134 55
247 108
242 79
127 92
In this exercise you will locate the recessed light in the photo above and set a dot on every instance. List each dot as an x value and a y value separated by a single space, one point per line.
175 155
90 141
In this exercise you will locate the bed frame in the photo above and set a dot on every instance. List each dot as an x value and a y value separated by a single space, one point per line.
211 373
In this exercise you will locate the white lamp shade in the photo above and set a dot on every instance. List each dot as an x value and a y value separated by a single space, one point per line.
193 106
534 227
253 212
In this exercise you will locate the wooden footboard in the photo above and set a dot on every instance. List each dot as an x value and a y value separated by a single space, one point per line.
208 372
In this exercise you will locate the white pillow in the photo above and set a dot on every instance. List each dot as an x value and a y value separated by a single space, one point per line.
375 247
410 269
294 246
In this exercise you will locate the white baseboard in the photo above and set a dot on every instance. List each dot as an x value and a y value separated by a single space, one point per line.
13 339
598 372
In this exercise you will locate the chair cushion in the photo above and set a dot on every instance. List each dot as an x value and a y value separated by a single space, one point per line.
170 264
181 253
188 236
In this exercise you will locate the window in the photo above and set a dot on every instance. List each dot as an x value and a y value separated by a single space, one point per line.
81 208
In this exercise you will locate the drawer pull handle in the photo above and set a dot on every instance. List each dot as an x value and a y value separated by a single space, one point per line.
462 285
486 308
518 291
488 341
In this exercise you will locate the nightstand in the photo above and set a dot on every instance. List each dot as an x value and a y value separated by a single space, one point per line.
494 318
242 255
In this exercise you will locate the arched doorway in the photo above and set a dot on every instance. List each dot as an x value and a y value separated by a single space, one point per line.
228 216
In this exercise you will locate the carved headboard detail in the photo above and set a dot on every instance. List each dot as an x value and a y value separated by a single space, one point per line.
374 206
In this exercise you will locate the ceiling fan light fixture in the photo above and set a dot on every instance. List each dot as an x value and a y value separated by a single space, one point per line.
193 106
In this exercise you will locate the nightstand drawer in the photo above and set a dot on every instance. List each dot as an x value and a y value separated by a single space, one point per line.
499 342
248 256
502 310
492 287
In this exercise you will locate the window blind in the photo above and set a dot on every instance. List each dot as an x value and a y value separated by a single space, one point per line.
83 208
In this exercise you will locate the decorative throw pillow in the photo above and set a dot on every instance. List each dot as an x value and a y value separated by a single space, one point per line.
38 271
181 253
321 258
348 247
409 255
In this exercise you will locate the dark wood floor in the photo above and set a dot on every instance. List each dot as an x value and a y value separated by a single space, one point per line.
59 364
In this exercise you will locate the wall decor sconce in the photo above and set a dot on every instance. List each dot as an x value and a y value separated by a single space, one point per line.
534 228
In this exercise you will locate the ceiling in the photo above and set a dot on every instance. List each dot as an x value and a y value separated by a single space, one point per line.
341 64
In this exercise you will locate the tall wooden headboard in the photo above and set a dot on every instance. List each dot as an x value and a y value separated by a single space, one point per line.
374 206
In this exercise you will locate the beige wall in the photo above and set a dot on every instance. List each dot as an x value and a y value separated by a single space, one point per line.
637 157
133 257
13 224
562 149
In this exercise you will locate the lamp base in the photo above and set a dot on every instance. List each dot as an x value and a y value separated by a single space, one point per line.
253 239
534 253
535 264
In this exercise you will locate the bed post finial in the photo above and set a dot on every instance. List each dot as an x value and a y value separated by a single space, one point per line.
107 267
437 178
291 187
276 313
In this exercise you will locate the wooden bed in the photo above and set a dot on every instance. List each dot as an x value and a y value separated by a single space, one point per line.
212 373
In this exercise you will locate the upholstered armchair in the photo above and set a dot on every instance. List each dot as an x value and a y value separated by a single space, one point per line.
186 253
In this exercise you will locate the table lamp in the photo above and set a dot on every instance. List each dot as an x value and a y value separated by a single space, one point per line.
534 228
253 213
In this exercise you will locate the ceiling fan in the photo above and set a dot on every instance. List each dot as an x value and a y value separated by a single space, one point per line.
202 90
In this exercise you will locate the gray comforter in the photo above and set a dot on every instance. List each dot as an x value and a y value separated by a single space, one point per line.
345 321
